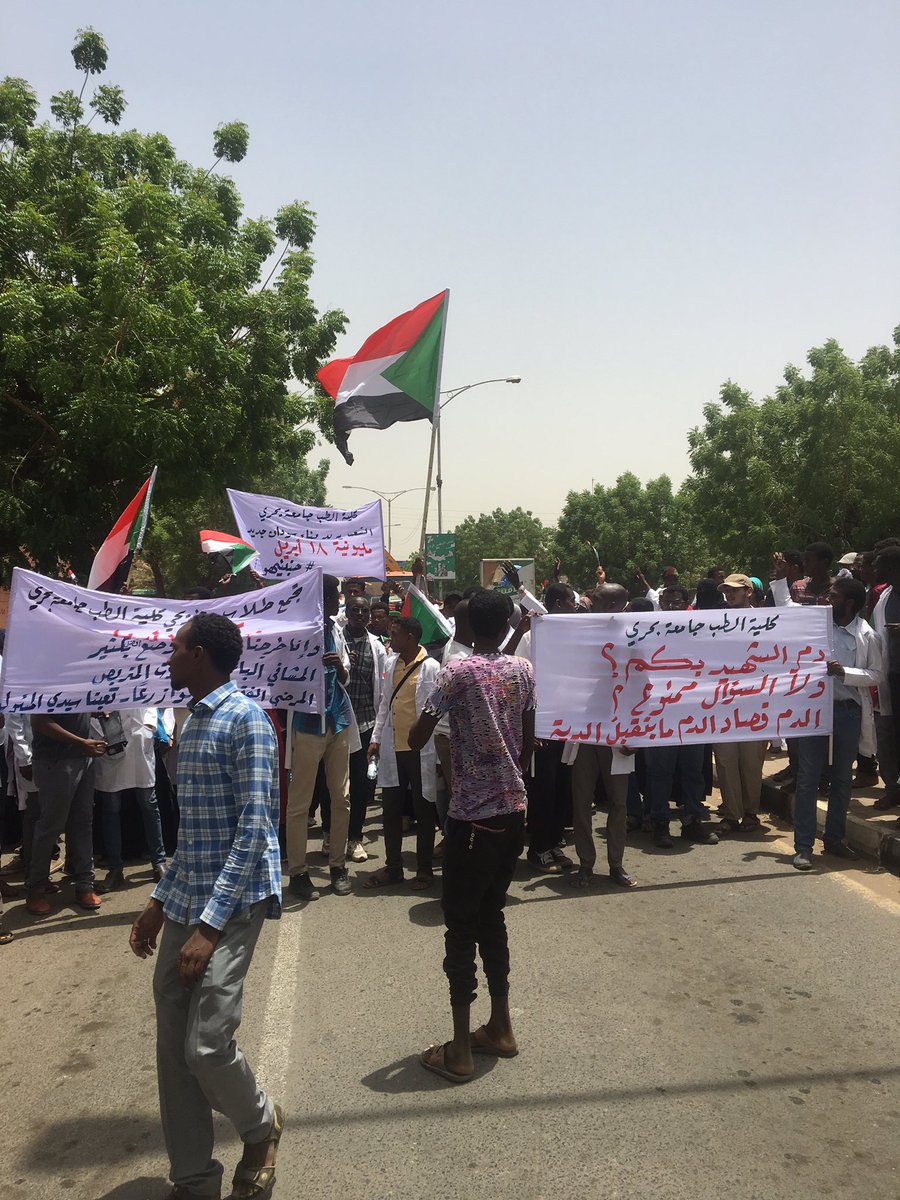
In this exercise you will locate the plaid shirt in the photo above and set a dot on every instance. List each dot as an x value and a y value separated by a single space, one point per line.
227 856
361 680
802 593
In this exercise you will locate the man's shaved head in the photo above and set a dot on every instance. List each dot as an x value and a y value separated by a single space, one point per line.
609 598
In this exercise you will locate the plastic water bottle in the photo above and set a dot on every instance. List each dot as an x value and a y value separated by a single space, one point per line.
372 772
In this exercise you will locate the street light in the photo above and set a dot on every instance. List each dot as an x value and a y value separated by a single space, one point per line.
451 394
388 498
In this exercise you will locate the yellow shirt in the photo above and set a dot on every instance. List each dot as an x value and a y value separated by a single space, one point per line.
403 710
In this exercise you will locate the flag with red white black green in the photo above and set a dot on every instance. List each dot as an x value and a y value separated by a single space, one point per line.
234 550
394 376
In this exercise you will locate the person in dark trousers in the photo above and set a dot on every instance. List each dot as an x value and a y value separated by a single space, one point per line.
409 676
591 762
63 752
364 686
886 622
222 882
490 699
550 785
856 668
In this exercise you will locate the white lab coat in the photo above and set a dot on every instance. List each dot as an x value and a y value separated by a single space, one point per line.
135 767
383 733
879 621
17 734
868 672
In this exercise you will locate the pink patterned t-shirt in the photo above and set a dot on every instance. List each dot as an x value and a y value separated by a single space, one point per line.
485 695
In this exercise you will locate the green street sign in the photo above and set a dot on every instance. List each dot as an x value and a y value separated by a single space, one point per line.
440 555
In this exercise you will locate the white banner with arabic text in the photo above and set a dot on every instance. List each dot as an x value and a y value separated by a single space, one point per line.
657 679
73 650
290 538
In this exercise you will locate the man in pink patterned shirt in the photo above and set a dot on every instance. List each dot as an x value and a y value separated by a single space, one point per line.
490 700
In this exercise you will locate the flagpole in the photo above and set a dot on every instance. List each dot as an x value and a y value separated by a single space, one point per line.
428 491
146 514
143 529
435 423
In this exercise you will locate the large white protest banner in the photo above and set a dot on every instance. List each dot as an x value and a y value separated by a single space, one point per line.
652 679
290 538
73 650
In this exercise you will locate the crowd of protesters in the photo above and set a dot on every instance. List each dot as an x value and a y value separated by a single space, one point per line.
82 773
226 796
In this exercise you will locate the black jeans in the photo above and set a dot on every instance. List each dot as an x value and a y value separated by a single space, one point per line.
479 861
409 773
549 793
362 791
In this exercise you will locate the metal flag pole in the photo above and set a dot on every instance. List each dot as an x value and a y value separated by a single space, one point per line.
434 430
435 422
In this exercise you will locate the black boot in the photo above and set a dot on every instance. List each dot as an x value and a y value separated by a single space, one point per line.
661 835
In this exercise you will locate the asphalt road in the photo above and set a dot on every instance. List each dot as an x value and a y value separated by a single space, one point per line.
727 1029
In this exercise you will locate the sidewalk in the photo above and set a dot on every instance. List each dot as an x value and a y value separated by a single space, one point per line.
869 831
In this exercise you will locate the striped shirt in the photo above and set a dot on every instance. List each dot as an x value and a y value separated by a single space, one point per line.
227 857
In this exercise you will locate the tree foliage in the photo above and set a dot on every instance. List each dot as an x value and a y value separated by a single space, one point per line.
139 325
815 461
631 526
515 534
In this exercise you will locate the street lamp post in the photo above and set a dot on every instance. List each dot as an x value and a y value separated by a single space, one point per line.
388 498
451 394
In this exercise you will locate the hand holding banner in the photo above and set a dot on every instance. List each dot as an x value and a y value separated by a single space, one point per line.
651 679
73 650
290 538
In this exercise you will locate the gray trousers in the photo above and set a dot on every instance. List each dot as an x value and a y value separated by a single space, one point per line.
65 802
591 761
888 757
198 1062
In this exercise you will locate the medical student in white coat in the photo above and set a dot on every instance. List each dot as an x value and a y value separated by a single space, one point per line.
134 769
408 682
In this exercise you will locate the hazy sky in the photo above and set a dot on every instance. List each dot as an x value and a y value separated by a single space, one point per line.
630 203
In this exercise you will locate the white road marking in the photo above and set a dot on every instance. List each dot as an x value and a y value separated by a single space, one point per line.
275 1047
866 891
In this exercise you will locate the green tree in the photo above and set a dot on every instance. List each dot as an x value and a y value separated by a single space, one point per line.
815 461
630 526
136 328
500 534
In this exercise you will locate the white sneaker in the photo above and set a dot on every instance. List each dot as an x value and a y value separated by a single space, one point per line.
326 845
356 852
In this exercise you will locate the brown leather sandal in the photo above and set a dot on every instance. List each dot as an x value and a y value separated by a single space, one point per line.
258 1184
382 878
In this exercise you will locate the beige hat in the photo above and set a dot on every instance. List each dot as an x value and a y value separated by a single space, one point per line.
735 581
848 560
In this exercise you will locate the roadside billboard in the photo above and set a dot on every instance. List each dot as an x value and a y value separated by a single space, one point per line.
440 555
494 576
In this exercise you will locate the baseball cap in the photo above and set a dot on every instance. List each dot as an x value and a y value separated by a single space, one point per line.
848 560
738 581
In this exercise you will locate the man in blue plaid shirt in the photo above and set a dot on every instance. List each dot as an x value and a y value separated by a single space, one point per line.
222 882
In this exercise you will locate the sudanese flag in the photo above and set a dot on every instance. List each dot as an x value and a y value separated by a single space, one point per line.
112 562
395 376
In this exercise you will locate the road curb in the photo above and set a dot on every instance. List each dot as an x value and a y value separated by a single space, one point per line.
862 836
